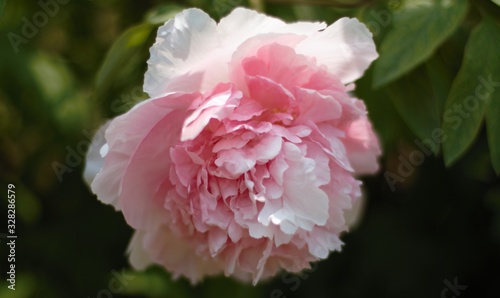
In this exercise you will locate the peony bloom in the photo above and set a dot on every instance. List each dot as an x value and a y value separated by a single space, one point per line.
244 159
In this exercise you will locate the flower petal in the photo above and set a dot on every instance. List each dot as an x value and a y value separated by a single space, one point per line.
139 257
218 106
362 146
127 136
94 159
180 51
191 51
250 23
179 255
301 198
123 135
346 47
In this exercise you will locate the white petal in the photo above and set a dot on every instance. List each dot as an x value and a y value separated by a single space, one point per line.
139 258
354 215
94 163
192 52
321 243
257 230
242 24
180 50
346 47
337 149
285 219
302 197
282 238
270 207
94 159
104 150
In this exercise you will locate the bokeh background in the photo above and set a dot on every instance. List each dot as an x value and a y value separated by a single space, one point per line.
432 214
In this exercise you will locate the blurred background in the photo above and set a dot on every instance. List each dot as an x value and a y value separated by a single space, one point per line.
431 224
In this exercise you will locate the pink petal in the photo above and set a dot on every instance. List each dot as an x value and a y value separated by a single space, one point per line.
217 106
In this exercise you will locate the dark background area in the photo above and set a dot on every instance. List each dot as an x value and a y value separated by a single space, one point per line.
440 225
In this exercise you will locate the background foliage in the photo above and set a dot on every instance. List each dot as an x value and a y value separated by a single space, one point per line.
433 211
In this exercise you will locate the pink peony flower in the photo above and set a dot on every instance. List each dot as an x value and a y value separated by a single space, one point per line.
244 160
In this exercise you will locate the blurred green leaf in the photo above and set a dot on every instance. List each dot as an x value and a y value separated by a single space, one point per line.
28 207
153 282
493 126
415 100
328 14
44 87
419 28
25 286
2 6
497 2
68 108
123 50
162 14
54 78
474 86
222 284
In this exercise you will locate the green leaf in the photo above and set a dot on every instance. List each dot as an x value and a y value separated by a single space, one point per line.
215 286
497 2
419 28
54 78
414 98
386 119
2 6
377 17
493 126
475 85
123 50
441 78
58 93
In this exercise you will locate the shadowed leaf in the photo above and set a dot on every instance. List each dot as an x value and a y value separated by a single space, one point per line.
123 50
475 85
418 29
